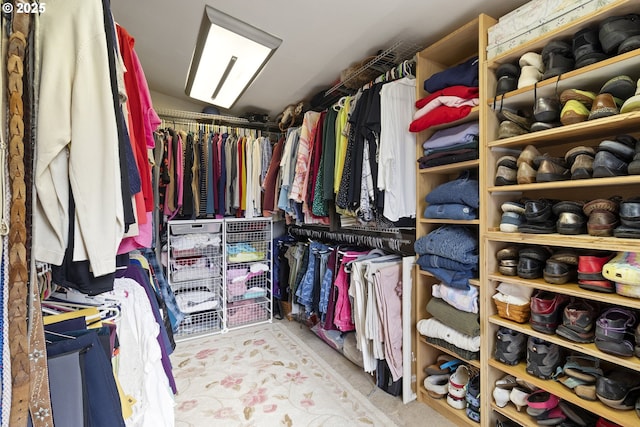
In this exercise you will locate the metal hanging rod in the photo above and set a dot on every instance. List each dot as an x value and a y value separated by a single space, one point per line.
216 119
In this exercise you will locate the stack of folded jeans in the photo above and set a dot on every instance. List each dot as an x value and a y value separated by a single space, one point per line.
451 145
457 199
450 253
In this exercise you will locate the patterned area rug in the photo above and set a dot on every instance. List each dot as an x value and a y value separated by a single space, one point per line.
263 376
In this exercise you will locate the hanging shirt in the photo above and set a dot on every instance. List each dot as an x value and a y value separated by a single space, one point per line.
305 146
396 170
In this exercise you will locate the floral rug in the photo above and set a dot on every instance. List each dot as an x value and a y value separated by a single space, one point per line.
263 376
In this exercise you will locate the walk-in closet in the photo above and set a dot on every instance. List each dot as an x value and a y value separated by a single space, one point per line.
320 214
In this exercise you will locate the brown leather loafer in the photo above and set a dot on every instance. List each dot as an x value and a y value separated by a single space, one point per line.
509 129
601 223
611 205
526 174
603 106
582 167
552 171
505 176
528 154
571 155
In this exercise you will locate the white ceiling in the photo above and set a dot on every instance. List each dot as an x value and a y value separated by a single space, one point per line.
320 38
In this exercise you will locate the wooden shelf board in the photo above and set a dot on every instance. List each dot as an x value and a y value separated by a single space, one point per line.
458 416
590 349
453 167
584 241
474 282
449 221
512 413
569 184
475 363
624 418
571 289
601 127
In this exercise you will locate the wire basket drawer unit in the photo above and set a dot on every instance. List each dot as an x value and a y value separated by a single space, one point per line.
195 272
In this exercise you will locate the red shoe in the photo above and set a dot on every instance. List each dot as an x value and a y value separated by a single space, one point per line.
590 266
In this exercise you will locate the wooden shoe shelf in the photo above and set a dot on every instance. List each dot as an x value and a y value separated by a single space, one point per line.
555 142
464 43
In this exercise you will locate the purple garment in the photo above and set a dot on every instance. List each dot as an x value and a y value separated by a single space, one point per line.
136 272
465 132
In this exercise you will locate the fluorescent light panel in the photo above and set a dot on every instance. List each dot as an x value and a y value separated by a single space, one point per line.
229 55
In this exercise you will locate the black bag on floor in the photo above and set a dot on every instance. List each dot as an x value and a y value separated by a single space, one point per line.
384 380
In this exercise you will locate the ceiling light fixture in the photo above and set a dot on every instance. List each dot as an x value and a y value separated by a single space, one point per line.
228 56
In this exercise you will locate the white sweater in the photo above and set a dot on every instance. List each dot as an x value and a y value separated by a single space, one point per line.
77 139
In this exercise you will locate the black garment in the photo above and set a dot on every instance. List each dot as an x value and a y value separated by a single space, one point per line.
78 274
329 152
371 129
129 174
187 191
202 184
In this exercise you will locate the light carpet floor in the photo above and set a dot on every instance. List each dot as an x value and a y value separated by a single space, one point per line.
267 375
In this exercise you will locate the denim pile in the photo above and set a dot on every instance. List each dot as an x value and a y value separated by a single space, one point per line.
457 199
450 253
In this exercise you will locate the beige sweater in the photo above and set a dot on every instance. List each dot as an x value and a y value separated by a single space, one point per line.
77 139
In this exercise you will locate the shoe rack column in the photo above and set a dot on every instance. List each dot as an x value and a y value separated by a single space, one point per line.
458 46
554 142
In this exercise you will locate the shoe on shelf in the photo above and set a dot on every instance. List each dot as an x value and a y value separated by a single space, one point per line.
582 167
510 346
578 322
557 272
584 97
510 222
543 358
574 112
547 109
613 328
619 389
526 174
571 155
606 164
603 106
619 149
546 311
587 49
621 87
590 265
630 212
558 58
518 396
549 171
458 382
616 29
527 155
437 385
529 76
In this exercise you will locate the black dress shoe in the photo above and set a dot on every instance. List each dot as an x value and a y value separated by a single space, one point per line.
586 47
558 273
537 210
630 213
567 206
529 268
558 58
616 29
607 164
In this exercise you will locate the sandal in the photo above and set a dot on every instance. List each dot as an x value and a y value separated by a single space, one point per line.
445 364
583 368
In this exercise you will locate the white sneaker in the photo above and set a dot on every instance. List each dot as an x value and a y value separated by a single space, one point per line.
458 382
